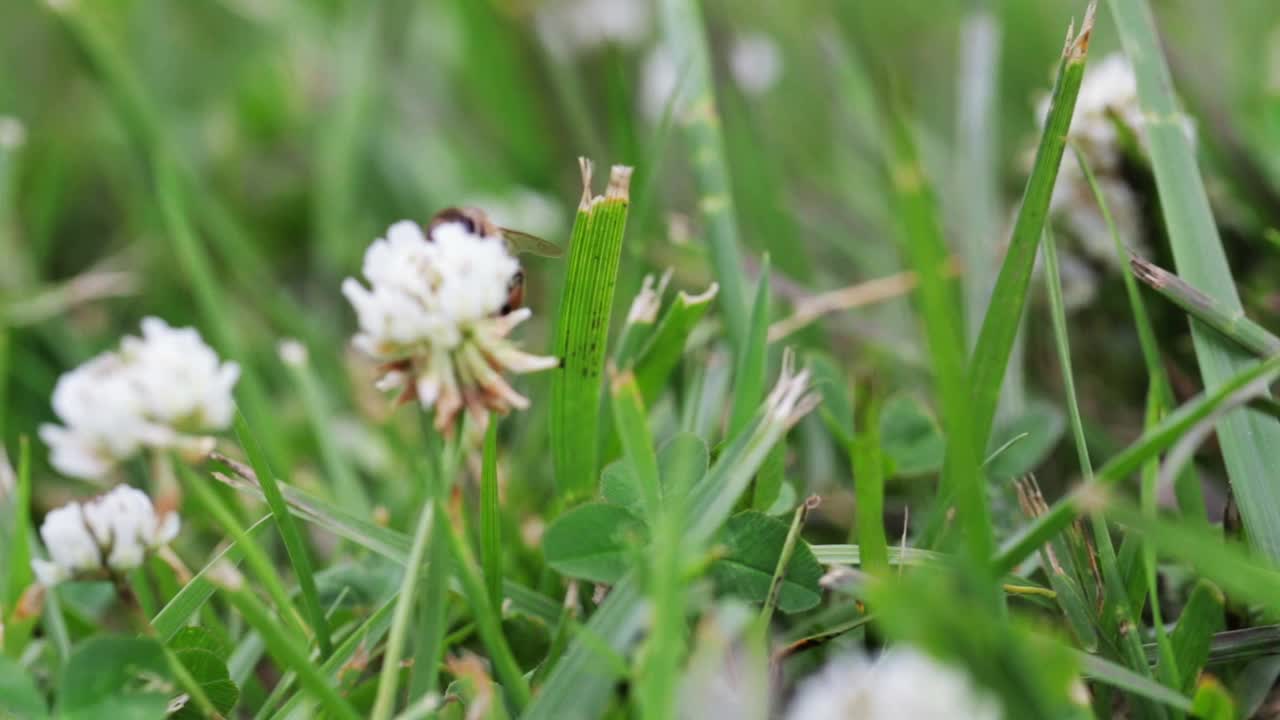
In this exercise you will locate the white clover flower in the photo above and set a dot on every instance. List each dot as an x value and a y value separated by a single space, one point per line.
13 134
432 315
182 382
160 391
1109 87
901 683
570 27
755 62
1108 93
113 532
659 80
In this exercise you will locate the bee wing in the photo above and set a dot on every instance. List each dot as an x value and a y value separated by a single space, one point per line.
522 242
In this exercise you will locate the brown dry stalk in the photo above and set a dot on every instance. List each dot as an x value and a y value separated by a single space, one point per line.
811 308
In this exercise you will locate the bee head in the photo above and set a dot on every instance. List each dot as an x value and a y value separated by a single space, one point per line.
473 220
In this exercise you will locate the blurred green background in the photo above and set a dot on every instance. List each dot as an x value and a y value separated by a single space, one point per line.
282 137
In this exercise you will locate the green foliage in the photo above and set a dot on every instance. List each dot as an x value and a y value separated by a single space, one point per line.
582 331
621 547
910 437
1250 441
1026 439
19 697
1200 619
753 544
114 676
594 542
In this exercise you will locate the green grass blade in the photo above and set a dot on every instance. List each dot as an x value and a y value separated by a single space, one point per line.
1004 312
975 182
659 669
281 645
388 543
1187 486
1131 459
184 605
18 557
299 557
19 575
662 353
975 171
1122 678
433 620
1232 324
318 406
388 680
582 332
255 557
632 422
488 620
367 635
1192 638
940 309
868 487
749 370
684 35
1250 442
1058 315
491 514
1242 572
343 132
784 559
1114 607
581 682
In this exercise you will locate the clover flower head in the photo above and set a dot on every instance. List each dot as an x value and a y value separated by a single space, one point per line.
114 533
755 63
1107 102
575 27
433 315
162 390
901 683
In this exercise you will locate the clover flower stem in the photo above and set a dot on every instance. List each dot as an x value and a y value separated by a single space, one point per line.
164 481
491 515
431 642
390 676
136 598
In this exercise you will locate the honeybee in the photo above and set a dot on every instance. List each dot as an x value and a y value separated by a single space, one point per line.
477 222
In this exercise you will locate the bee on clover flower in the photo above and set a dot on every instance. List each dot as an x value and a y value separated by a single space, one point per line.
438 309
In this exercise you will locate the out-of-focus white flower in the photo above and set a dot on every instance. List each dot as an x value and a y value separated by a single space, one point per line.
1109 87
727 675
901 683
659 79
292 352
1079 282
570 27
182 382
161 391
1074 202
12 132
431 314
1108 94
113 532
755 62
523 209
